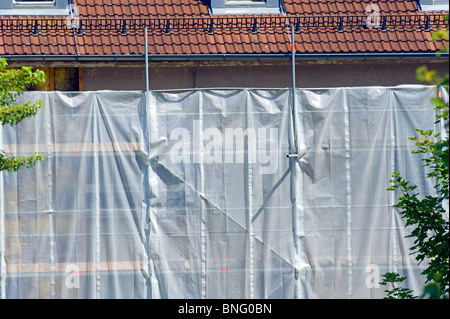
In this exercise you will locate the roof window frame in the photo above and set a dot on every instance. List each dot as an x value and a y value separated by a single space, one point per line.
433 5
34 8
40 3
225 7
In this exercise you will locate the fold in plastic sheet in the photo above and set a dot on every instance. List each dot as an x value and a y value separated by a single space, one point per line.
190 194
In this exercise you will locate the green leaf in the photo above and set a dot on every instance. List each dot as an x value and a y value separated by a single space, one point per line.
13 82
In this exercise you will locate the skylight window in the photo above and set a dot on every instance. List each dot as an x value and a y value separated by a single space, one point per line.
33 2
243 2
433 5
246 6
34 7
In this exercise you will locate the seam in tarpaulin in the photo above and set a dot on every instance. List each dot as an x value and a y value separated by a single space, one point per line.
298 215
144 182
95 110
392 195
52 255
304 264
202 202
250 208
293 165
49 160
349 190
152 197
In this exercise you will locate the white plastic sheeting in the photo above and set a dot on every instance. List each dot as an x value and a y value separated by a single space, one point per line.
190 194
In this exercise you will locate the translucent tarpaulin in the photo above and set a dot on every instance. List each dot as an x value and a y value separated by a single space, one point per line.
191 194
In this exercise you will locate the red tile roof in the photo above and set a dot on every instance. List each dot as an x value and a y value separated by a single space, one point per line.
116 27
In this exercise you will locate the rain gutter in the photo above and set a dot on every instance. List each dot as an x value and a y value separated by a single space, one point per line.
222 57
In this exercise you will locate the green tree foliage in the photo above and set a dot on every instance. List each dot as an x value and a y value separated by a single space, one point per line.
13 82
391 278
430 229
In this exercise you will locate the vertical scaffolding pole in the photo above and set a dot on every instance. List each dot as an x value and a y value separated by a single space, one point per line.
294 111
293 60
146 60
